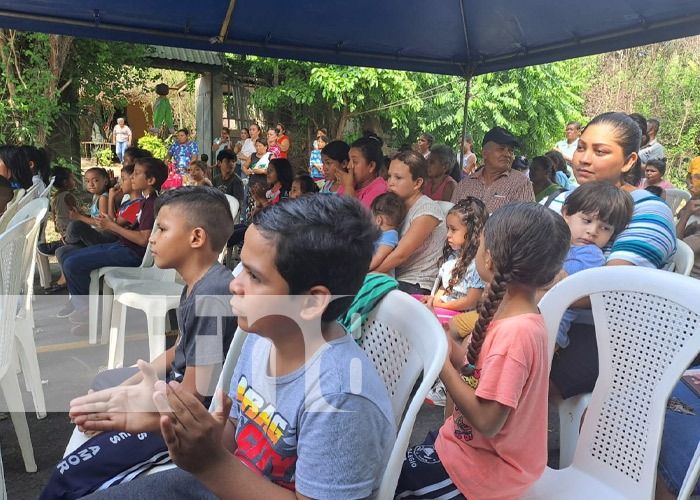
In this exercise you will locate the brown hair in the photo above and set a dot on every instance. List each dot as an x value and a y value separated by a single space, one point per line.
473 215
517 236
417 165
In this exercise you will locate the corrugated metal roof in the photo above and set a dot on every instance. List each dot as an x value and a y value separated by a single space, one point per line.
188 55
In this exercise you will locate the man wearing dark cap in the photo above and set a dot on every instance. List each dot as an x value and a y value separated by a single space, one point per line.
496 184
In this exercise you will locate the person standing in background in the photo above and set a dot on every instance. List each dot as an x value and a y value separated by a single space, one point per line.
121 137
283 140
567 146
162 111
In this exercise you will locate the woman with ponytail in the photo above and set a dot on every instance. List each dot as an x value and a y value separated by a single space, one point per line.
494 445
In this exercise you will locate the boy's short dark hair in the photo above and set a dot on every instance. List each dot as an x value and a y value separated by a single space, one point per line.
201 206
136 152
128 169
606 201
390 206
225 154
323 230
655 190
155 169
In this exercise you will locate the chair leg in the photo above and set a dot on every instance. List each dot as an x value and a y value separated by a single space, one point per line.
93 306
107 302
30 365
117 332
570 413
13 397
42 262
156 334
3 491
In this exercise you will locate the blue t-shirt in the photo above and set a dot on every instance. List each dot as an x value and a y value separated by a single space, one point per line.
389 238
578 259
325 430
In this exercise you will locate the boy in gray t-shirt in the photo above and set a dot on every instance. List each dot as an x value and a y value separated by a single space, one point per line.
309 414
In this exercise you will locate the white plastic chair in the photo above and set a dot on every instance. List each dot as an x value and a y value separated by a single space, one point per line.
36 210
31 194
154 298
11 209
675 198
42 261
648 331
94 293
12 243
684 258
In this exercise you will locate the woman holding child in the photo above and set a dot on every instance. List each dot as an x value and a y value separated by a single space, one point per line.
607 151
423 231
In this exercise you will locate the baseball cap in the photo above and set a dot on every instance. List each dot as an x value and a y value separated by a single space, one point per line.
499 135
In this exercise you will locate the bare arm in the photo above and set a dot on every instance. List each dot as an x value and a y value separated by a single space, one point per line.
382 252
420 229
465 303
486 416
140 237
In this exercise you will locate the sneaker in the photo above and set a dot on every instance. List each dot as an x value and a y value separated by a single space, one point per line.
79 316
437 396
66 311
49 249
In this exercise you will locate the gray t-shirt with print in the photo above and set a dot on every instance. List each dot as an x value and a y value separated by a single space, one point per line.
325 430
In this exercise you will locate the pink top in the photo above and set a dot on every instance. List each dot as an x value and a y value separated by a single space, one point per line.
513 370
437 195
367 194
664 184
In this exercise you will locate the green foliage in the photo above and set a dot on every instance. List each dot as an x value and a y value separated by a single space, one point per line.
73 167
104 157
153 144
535 103
659 81
26 76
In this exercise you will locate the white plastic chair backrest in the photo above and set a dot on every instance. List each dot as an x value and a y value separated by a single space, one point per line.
675 197
148 257
446 206
12 244
11 209
647 324
403 340
46 193
37 209
684 258
32 193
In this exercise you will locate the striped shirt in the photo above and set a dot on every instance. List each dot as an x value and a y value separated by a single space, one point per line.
510 187
649 240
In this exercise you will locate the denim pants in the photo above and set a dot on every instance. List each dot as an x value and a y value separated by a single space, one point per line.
78 265
121 147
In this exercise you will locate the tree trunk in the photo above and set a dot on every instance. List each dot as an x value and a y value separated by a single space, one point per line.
342 121
60 48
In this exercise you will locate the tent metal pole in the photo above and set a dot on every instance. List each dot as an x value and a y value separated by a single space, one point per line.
468 80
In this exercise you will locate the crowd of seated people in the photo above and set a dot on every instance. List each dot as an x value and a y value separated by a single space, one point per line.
584 204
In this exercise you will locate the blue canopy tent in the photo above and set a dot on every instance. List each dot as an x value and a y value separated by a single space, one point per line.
458 37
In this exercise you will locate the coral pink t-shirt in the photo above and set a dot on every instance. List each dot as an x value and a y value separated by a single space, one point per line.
367 194
513 370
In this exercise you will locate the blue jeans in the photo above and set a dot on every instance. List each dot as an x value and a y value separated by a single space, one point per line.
78 265
121 147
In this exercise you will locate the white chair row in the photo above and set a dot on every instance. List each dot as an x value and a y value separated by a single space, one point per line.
17 249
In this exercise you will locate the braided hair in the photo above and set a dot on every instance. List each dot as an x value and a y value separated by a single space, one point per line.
472 215
517 235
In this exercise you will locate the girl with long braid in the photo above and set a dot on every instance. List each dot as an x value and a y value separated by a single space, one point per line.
494 445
